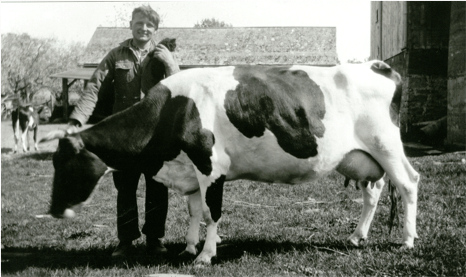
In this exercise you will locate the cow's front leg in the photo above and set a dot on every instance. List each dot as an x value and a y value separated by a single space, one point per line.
24 138
211 199
16 135
371 198
195 213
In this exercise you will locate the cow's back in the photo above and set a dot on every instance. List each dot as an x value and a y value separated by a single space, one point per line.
285 124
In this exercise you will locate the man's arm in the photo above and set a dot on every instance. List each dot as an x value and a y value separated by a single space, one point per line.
86 104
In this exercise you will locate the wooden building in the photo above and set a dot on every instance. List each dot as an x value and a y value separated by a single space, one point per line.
199 47
426 43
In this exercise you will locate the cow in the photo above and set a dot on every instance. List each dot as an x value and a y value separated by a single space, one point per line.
25 118
278 124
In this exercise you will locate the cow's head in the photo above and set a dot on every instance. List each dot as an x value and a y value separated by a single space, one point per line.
77 172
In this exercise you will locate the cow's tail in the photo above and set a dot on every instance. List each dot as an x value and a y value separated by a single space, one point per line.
394 206
55 134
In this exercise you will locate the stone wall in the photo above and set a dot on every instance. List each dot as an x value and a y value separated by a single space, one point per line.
424 97
456 120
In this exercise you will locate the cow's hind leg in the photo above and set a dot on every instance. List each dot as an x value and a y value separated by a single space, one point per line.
25 140
387 149
371 197
16 135
36 147
15 124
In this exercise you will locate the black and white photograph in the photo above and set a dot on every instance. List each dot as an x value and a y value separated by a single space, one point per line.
233 138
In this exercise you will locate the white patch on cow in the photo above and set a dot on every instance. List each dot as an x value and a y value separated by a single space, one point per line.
31 123
206 88
179 175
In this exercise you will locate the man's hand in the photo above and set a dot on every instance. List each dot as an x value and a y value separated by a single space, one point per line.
162 54
72 127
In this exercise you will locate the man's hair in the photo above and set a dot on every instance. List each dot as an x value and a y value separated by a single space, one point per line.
148 12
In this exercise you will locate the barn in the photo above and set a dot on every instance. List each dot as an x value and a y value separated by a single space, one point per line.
201 47
426 43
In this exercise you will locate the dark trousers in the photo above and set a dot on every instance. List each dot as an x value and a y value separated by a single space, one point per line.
156 206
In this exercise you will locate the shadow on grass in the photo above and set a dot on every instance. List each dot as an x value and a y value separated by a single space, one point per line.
6 150
17 259
413 150
39 156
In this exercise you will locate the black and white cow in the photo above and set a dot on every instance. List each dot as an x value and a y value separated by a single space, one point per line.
25 119
278 124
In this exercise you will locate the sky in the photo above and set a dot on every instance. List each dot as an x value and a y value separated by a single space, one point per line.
76 21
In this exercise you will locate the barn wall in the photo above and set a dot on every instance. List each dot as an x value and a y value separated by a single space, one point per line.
428 24
456 119
388 32
400 64
427 66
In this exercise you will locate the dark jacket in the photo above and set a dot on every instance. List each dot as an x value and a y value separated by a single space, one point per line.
115 84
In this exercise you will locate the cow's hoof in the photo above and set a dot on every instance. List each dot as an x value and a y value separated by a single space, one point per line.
186 254
202 260
406 246
356 240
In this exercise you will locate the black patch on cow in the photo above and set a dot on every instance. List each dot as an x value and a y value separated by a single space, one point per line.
288 103
385 70
152 131
214 198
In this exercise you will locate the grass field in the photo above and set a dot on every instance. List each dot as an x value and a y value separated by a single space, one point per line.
267 229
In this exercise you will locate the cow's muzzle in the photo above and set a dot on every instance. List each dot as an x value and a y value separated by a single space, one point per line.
67 213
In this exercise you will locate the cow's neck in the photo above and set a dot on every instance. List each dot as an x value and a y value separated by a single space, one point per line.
123 140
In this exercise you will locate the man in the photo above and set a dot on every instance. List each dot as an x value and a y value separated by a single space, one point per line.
120 71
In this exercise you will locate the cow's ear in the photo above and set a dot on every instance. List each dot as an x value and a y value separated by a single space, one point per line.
71 145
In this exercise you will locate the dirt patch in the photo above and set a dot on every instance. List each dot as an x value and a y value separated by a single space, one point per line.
8 140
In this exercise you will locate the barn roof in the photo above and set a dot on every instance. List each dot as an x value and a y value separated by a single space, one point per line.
76 73
237 45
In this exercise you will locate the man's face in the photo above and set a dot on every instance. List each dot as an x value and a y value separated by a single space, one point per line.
143 29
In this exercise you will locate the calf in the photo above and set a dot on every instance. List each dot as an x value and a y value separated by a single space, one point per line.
25 118
281 124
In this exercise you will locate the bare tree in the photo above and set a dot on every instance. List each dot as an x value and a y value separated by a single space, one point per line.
28 62
123 11
355 60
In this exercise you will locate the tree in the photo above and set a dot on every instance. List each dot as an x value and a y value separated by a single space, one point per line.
355 60
28 62
212 23
123 11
